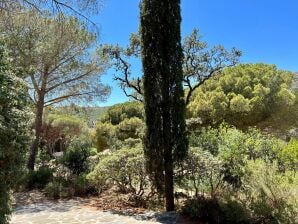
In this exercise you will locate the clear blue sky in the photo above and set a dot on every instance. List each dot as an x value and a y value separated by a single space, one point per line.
264 30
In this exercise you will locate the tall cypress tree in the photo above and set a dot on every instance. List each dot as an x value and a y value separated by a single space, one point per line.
165 139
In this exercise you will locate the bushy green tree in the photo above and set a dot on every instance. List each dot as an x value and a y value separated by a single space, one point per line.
76 156
119 123
59 129
58 56
14 123
117 113
130 128
103 135
242 95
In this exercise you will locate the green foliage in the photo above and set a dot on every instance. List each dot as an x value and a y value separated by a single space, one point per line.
76 156
289 155
14 123
280 125
39 178
210 210
205 209
53 189
59 52
76 185
119 112
251 175
130 128
81 186
200 172
120 122
58 60
242 95
102 136
272 196
227 148
67 124
88 114
59 129
234 211
124 168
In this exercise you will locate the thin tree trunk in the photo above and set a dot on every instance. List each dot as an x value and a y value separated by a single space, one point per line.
38 129
169 182
167 146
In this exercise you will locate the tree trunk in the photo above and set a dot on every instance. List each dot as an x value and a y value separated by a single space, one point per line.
38 128
169 181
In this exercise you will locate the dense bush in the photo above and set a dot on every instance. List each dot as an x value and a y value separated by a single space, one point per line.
107 135
59 129
200 173
251 175
204 209
130 128
289 155
76 156
103 135
211 210
39 178
61 187
123 168
53 189
14 125
272 195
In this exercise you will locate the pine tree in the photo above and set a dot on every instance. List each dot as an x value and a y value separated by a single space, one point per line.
165 139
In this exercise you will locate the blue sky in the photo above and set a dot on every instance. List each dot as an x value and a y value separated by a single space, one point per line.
264 30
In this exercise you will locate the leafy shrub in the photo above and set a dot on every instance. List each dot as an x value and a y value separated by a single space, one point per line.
233 148
124 168
77 185
93 152
129 128
200 172
272 196
211 210
14 128
102 136
53 189
39 178
289 155
81 186
234 212
205 209
76 156
58 129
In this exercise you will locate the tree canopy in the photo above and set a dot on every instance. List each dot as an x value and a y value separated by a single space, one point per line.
58 60
242 95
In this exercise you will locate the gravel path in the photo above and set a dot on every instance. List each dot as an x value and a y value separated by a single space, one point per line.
71 212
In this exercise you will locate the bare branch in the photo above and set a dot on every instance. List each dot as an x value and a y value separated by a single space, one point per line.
124 67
